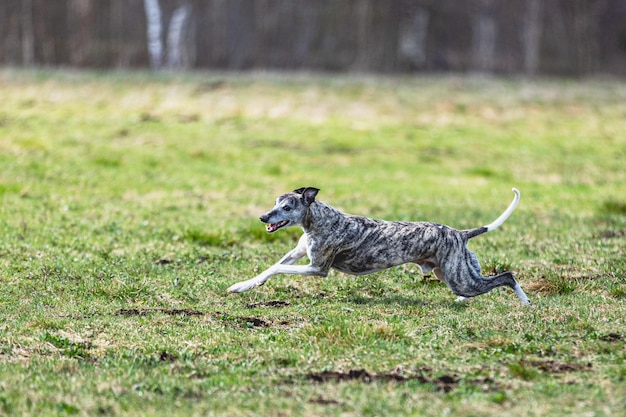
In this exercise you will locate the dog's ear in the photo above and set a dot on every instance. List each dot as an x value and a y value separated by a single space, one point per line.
308 195
299 190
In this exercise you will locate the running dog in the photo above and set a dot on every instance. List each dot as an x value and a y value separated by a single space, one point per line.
360 245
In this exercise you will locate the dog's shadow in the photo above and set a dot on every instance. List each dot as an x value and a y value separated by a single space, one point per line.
404 302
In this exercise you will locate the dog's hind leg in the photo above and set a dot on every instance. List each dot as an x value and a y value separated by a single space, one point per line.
465 280
439 275
521 294
430 267
481 285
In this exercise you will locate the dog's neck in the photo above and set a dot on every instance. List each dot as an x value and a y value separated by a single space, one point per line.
320 210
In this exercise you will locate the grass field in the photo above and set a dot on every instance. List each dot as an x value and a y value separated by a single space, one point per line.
130 202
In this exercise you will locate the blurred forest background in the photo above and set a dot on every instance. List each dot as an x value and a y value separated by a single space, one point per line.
528 37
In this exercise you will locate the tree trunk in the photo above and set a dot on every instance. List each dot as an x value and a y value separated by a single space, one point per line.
585 21
82 22
28 37
177 56
413 34
531 36
155 30
363 45
484 38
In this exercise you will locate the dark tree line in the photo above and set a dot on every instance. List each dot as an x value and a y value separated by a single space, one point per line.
570 37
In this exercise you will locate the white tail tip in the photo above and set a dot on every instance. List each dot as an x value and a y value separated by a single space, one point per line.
498 222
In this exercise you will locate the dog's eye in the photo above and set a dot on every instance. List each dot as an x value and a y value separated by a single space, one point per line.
286 208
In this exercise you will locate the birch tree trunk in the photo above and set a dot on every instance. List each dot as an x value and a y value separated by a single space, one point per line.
176 54
155 30
413 34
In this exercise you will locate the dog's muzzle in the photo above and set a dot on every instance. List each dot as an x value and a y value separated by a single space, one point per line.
272 227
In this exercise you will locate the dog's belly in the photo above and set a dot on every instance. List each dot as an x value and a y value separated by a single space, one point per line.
361 263
358 269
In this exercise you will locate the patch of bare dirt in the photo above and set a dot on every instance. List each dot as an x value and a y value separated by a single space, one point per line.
170 312
167 357
325 401
442 383
554 367
133 312
612 234
271 304
252 321
565 283
353 375
612 337
249 322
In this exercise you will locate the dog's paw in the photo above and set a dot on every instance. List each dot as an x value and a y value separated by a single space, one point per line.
238 287
524 300
243 286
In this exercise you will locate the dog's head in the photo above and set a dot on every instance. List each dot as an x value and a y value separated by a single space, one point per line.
289 209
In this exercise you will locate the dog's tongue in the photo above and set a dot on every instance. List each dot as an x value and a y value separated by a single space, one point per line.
270 227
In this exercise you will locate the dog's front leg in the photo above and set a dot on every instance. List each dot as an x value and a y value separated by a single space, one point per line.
296 253
276 269
291 257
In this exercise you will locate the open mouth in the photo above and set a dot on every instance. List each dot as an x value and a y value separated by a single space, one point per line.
272 227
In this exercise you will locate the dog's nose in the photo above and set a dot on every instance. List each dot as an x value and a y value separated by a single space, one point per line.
264 218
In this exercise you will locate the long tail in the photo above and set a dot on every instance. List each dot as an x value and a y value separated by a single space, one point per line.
468 234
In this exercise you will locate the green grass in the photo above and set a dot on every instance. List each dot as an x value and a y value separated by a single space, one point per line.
129 203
